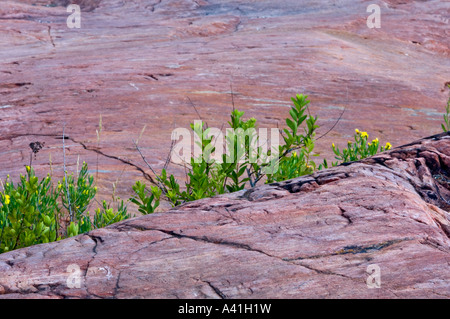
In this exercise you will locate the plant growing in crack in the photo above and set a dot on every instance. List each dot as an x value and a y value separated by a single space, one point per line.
206 177
33 211
357 150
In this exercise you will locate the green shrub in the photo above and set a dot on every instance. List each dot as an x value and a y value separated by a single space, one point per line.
106 215
146 204
206 178
293 166
77 195
300 162
358 149
34 212
29 212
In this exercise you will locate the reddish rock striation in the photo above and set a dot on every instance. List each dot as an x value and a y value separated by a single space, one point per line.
311 237
136 63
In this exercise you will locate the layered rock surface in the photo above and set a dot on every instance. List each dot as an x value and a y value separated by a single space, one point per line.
135 63
311 237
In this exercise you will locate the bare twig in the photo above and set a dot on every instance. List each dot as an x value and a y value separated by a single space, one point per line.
196 111
169 156
159 181
335 123
338 120
232 94
249 174
65 173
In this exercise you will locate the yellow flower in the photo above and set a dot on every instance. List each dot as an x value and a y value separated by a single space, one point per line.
388 146
7 199
375 140
59 186
364 135
294 154
356 131
333 145
28 168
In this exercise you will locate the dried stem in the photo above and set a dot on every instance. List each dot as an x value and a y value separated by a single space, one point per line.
65 173
159 181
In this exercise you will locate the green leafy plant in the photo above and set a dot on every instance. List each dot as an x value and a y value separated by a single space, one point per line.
358 149
205 177
105 215
29 212
170 187
34 212
293 166
77 194
240 142
239 165
199 175
302 142
146 204
73 229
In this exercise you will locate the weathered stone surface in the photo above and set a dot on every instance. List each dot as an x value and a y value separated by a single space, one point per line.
311 237
136 62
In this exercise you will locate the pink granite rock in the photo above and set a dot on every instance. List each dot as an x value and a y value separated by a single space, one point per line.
135 63
318 236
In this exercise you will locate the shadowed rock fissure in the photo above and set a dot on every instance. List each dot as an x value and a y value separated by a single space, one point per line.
356 249
91 149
